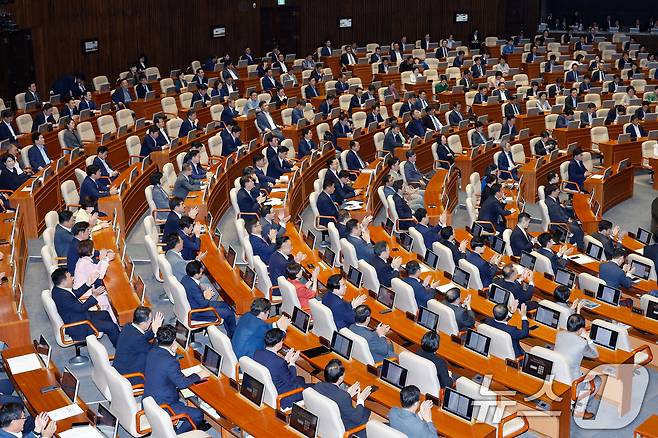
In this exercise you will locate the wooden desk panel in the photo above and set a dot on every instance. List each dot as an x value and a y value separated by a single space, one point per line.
494 111
363 72
613 152
565 137
533 178
615 189
536 124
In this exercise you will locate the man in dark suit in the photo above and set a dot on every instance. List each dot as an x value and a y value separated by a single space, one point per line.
311 89
353 160
164 379
247 56
90 186
172 224
405 215
463 313
615 272
431 120
121 95
393 138
455 116
86 102
500 321
380 347
150 142
449 241
487 269
31 94
376 55
230 140
200 77
423 292
385 271
246 202
493 209
71 310
608 235
341 310
467 81
37 154
44 116
69 109
348 58
189 124
558 214
229 113
278 165
201 95
342 128
135 341
587 116
556 89
306 144
352 416
520 285
100 160
571 102
202 298
577 170
430 233
262 245
8 131
80 232
282 369
190 234
143 88
512 109
249 335
442 50
268 82
281 258
326 106
640 113
325 204
520 240
384 65
572 75
635 129
509 127
63 235
558 260
415 127
359 236
482 96
585 85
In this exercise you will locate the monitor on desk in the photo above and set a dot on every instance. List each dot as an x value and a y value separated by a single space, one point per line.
547 316
42 347
394 374
498 294
104 421
211 360
309 239
537 366
431 258
640 270
644 236
182 335
458 404
341 345
428 319
354 276
386 296
300 319
608 294
565 277
498 245
303 421
623 138
461 277
528 260
249 277
477 342
593 250
252 389
69 384
604 336
230 256
328 256
652 310
405 241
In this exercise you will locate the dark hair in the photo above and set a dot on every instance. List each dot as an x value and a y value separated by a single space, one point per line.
185 222
446 232
605 225
328 183
175 202
478 242
155 178
361 314
544 238
575 322
333 282
274 336
79 227
92 169
409 396
496 188
379 248
153 129
166 335
452 295
260 305
500 312
618 252
430 342
397 185
141 314
293 269
562 294
64 216
412 267
550 188
58 276
523 215
86 248
87 201
171 240
420 214
350 225
333 371
193 268
280 240
10 412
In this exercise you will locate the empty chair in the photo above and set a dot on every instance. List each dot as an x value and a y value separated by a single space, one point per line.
349 255
378 429
474 280
417 242
641 355
370 280
106 124
70 194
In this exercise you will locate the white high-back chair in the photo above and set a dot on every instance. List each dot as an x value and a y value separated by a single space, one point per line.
564 312
474 280
124 406
161 425
644 260
330 424
501 342
289 297
447 320
378 429
334 242
323 319
543 263
222 344
100 362
262 375
417 242
370 280
420 372
446 262
641 356
404 296
360 348
589 282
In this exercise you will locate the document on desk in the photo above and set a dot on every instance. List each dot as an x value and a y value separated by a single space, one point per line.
367 170
65 412
589 304
187 372
446 287
81 432
596 176
273 202
581 259
26 189
23 364
279 190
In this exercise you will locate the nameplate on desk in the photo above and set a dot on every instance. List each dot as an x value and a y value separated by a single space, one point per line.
234 384
372 370
410 315
588 293
281 415
512 363
637 310
548 276
483 293
436 401
372 293
456 339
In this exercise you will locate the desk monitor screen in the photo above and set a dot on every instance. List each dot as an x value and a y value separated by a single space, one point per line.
593 250
212 360
328 256
458 404
537 366
498 295
431 258
406 241
354 276
608 294
428 319
644 236
603 336
386 296
477 342
640 270
528 260
303 421
252 389
230 256
341 345
596 208
300 319
565 277
476 229
249 277
388 227
461 277
498 245
652 310
69 384
106 422
182 335
42 347
394 374
547 316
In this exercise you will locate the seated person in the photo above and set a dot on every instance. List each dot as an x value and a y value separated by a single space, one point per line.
493 209
177 209
500 320
520 240
486 268
280 259
519 285
559 259
615 272
353 160
135 341
411 172
545 145
385 271
412 418
609 237
423 292
325 204
558 214
506 165
305 290
342 311
282 369
10 179
190 232
359 236
430 233
184 183
429 345
37 154
462 309
380 347
447 238
248 205
249 335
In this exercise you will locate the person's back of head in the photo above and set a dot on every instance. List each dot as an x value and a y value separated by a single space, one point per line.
333 371
452 295
361 314
409 396
575 322
561 294
500 312
166 335
260 305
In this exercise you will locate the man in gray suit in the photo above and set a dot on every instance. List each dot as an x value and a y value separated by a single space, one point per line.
177 262
574 344
359 237
463 314
184 183
63 234
413 418
266 123
160 197
380 347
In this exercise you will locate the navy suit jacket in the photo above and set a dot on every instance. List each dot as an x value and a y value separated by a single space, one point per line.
36 159
454 248
385 273
556 262
132 348
228 115
326 207
576 173
524 296
277 266
72 310
40 119
364 250
84 104
104 172
630 129
416 128
430 234
390 141
229 143
515 333
506 130
5 133
149 145
284 376
191 245
62 240
480 98
171 225
421 293
249 335
311 92
651 252
262 248
68 112
342 87
572 76
196 299
487 270
264 180
164 377
454 118
519 242
89 187
614 275
341 131
352 416
275 169
403 210
325 108
185 128
246 202
269 83
305 147
371 118
341 310
353 162
493 211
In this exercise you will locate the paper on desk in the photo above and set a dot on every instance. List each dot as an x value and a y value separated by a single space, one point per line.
367 170
424 268
589 304
279 189
23 364
81 432
273 201
187 372
26 189
349 207
581 259
446 287
65 412
596 176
